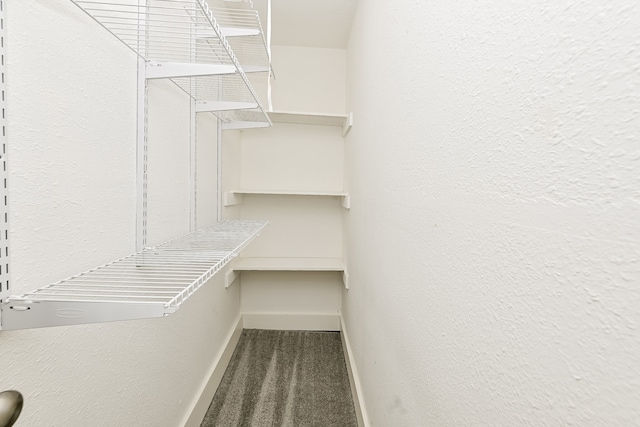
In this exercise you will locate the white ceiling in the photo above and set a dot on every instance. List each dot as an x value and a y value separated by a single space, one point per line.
310 23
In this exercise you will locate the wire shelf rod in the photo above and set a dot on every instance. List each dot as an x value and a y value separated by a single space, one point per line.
126 281
75 293
86 300
111 286
73 296
144 272
147 276
104 291
159 277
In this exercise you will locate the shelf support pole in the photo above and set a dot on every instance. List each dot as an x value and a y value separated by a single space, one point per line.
141 136
4 189
193 195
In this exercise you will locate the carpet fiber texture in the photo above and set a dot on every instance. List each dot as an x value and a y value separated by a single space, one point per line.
284 378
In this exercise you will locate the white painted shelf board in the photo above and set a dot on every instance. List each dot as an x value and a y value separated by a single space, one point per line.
291 193
235 197
344 120
289 264
154 282
307 118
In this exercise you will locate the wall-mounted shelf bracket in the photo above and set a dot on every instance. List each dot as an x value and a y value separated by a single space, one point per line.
348 124
232 198
346 202
230 277
345 279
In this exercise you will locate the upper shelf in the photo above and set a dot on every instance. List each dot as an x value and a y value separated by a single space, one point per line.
151 283
235 197
207 52
289 264
344 120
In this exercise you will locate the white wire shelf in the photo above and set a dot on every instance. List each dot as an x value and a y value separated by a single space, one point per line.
205 51
154 282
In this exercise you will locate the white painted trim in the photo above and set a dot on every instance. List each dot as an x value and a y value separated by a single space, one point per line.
292 321
354 379
348 124
199 406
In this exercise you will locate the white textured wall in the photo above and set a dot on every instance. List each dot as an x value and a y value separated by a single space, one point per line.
206 170
168 182
299 226
288 292
494 247
231 172
293 157
309 80
71 126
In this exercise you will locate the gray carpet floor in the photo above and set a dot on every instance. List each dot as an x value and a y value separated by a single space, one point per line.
284 378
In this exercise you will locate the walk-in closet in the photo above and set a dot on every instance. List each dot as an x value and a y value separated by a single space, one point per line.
319 213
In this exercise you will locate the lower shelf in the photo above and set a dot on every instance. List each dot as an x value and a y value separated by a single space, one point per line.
235 197
151 283
288 264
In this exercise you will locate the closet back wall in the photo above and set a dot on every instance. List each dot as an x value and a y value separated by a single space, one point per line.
293 157
72 148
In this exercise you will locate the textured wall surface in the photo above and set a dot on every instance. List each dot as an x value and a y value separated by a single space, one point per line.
494 234
298 292
71 126
309 80
293 157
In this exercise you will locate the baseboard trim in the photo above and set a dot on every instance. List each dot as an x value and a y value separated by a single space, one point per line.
208 389
354 379
291 321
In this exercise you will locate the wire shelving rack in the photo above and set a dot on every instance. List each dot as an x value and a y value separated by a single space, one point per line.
205 51
154 282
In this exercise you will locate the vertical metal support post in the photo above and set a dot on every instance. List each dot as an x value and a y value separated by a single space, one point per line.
270 73
4 190
141 160
193 137
219 168
141 136
194 167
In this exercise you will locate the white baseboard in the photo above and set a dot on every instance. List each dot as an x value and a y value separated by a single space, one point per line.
293 322
210 385
354 379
